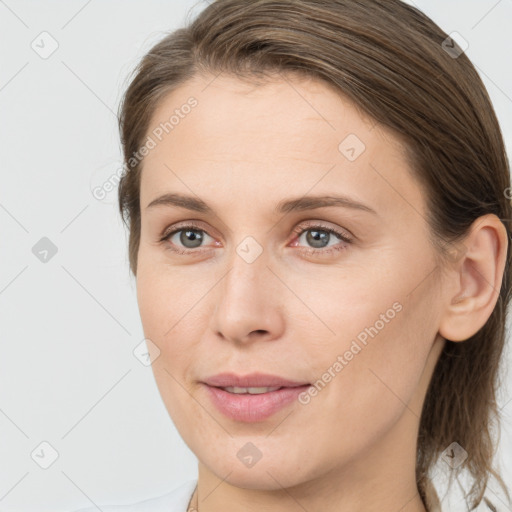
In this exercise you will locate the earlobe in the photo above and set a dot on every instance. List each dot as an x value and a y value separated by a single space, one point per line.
476 279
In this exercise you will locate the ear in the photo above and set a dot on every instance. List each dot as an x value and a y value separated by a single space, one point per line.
474 283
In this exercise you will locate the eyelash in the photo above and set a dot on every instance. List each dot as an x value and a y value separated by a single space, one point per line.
299 230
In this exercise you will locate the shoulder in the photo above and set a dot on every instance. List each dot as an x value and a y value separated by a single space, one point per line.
174 501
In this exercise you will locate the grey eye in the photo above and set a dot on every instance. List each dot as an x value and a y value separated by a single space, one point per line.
191 238
318 238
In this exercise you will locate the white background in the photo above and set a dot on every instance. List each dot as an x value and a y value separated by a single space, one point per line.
68 375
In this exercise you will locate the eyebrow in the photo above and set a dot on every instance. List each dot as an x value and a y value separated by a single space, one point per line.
285 206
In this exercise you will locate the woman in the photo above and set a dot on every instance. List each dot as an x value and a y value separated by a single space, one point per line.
316 199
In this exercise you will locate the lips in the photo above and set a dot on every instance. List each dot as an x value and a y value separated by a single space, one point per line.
248 407
252 380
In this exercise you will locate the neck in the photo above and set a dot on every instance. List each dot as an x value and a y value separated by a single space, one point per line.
415 504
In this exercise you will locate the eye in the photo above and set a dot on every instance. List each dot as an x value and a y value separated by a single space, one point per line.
189 239
319 237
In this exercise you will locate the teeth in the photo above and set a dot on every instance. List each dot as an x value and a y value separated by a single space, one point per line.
251 391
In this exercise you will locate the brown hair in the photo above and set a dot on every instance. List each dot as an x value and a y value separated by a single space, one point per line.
398 67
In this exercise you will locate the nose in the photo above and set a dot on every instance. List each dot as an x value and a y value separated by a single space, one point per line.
248 302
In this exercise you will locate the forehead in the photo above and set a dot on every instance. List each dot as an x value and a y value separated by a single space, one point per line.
303 112
287 132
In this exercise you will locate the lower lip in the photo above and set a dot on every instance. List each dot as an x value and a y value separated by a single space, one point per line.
252 408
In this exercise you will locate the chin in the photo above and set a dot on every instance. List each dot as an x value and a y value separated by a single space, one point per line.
274 480
273 471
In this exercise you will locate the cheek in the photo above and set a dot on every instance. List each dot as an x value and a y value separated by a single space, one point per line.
168 301
378 387
370 364
171 307
160 320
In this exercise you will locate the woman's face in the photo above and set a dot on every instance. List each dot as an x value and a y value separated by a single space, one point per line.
259 284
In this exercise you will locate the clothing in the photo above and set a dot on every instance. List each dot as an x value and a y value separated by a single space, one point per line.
174 501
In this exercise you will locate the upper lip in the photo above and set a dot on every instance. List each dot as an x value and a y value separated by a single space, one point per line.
252 380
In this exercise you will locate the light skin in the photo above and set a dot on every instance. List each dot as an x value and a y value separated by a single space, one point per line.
242 150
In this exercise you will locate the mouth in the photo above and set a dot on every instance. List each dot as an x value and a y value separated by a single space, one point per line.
250 390
253 404
253 381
